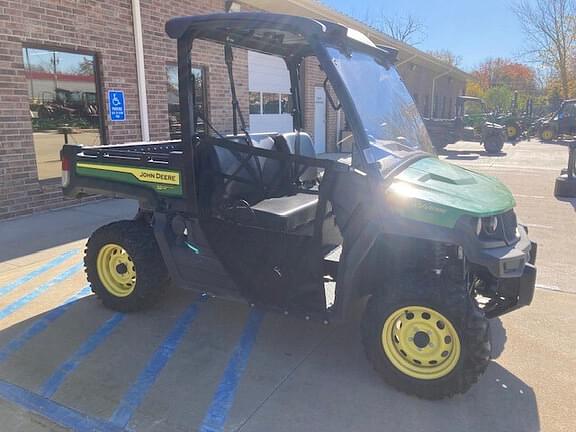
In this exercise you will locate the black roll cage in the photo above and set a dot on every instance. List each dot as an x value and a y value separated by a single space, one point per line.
240 30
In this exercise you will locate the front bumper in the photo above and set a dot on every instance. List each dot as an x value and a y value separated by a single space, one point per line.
504 261
513 271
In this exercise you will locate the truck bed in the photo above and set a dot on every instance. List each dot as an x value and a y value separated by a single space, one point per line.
146 171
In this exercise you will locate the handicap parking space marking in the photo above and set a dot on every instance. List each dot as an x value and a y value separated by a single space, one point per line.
53 411
40 325
52 384
27 298
139 389
217 414
11 286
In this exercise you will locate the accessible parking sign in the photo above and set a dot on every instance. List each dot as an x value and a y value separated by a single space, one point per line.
116 107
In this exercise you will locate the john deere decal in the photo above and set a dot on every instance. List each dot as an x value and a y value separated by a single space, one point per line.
165 182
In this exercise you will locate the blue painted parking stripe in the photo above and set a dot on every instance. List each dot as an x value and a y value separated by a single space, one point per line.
163 353
39 326
60 414
52 384
22 301
222 401
37 272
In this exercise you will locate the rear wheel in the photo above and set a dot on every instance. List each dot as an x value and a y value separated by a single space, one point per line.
547 134
124 266
428 338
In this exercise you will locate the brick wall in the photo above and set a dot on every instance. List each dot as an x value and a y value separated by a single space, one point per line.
418 79
314 77
160 51
101 27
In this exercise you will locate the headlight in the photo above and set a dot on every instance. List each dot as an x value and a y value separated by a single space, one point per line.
489 225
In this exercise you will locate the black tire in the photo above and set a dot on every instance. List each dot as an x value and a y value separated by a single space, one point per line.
451 300
439 146
137 239
493 144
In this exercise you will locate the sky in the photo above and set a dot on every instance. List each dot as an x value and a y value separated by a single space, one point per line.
473 29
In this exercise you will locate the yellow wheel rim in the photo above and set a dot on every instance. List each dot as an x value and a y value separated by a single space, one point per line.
116 270
512 131
420 342
547 134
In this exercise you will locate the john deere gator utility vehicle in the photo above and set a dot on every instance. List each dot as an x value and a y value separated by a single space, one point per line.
562 122
434 249
471 123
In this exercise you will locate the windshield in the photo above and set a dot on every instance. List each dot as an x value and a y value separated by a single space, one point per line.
388 113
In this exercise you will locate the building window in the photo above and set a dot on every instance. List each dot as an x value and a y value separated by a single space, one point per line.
200 97
426 105
443 106
270 103
255 102
64 106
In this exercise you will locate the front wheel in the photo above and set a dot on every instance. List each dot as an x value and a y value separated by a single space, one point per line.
124 266
426 337
493 144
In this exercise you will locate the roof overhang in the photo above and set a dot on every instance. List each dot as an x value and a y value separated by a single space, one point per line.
317 10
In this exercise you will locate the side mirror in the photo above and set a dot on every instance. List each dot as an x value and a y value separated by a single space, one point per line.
330 100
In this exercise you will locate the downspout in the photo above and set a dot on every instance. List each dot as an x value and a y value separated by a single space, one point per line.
434 90
139 48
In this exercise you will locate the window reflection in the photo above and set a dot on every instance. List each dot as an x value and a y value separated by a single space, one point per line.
63 104
200 109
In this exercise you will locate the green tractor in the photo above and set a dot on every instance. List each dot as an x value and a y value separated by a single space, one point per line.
472 122
518 124
434 249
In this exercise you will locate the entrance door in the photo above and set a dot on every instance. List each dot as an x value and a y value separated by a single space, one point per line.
319 120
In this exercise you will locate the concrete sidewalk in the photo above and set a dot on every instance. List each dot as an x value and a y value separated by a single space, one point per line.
24 240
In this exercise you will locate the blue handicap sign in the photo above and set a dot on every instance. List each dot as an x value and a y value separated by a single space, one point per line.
116 106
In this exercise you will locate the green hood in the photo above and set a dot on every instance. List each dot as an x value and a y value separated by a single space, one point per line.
437 192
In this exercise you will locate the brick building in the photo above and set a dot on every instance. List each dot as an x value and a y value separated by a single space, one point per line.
60 58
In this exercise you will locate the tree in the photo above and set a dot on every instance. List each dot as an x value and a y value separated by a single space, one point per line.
405 28
499 97
500 71
549 27
446 56
85 67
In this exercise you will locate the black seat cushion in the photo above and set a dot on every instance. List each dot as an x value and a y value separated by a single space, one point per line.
285 213
224 180
300 143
